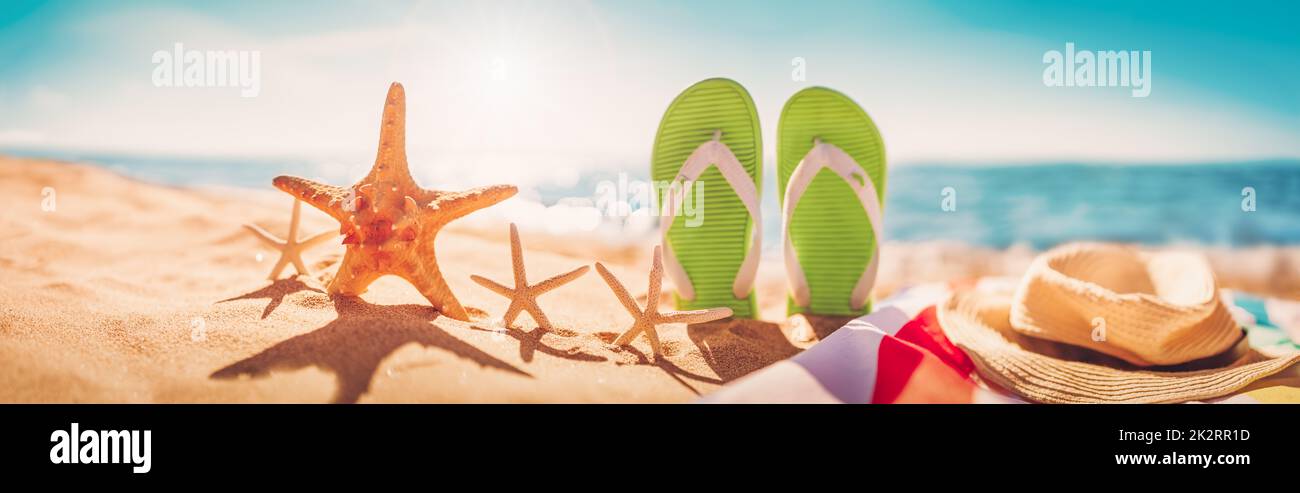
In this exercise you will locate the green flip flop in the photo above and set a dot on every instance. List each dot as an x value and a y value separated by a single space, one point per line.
831 184
707 169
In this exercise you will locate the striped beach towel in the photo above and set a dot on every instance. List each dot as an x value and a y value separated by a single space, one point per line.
896 354
899 354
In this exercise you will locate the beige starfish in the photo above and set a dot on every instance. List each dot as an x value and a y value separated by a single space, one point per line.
646 320
388 221
523 297
292 247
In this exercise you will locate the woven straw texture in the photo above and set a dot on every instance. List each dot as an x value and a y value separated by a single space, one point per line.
1040 370
1155 309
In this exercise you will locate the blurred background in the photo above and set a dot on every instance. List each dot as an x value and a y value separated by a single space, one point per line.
559 97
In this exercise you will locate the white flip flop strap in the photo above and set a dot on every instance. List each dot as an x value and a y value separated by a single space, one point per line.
715 153
824 155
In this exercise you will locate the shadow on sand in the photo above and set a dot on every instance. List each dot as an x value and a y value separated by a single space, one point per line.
681 375
734 348
530 343
276 291
353 345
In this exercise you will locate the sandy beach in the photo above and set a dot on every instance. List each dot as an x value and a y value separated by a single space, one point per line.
133 292
130 292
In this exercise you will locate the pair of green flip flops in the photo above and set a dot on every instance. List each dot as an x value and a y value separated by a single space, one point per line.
708 157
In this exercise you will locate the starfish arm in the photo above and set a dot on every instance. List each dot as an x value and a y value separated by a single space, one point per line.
279 267
512 311
560 280
390 161
656 279
493 285
302 268
627 336
298 265
652 333
454 205
538 316
353 277
517 257
317 239
294 220
327 198
696 316
435 289
619 290
264 235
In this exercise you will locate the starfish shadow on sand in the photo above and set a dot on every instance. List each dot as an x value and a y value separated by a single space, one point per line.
276 291
354 344
530 343
681 375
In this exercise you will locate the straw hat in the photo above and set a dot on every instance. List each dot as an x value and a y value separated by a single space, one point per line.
1155 309
1090 322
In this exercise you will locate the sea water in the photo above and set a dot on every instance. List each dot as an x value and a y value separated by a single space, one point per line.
1038 205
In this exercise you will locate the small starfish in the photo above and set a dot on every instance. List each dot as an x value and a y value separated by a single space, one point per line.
646 320
388 221
523 297
291 248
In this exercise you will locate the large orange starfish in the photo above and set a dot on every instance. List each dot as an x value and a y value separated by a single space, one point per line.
388 221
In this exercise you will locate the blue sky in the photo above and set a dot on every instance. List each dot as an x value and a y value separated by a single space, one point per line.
533 85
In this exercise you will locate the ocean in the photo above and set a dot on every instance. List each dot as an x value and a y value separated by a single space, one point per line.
1036 205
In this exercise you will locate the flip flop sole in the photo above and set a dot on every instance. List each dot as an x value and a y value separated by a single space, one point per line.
710 246
830 231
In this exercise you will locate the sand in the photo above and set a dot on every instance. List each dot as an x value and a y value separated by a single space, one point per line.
134 292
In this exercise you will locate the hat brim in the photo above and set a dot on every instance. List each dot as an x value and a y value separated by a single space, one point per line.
1034 369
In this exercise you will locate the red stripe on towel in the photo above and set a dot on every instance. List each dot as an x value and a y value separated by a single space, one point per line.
924 331
912 374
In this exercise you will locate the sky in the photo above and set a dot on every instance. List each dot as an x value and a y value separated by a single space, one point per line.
553 88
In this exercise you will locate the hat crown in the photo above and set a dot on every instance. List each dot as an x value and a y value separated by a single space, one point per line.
1147 309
